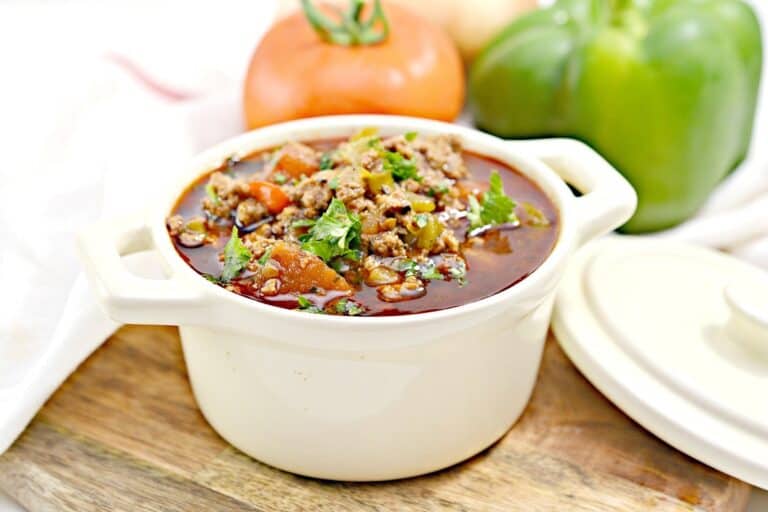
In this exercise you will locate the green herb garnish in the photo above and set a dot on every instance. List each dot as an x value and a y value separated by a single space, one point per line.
410 267
265 257
459 273
443 188
400 167
280 178
308 306
349 308
236 257
440 190
422 219
211 193
334 183
212 278
303 223
335 234
325 162
426 270
411 136
429 271
496 207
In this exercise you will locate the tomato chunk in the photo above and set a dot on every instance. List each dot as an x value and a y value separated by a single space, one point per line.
301 272
270 195
297 160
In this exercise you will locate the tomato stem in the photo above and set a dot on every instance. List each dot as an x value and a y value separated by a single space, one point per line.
352 30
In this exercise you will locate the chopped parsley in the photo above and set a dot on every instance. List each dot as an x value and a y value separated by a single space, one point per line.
265 257
303 223
441 189
212 278
410 267
349 308
496 207
211 193
334 183
280 178
308 306
411 136
400 167
426 270
236 257
335 234
429 271
459 272
422 219
325 162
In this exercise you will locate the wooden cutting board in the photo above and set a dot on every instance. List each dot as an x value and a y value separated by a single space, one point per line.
124 434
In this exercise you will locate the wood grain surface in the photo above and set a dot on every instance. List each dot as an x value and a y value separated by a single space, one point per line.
124 434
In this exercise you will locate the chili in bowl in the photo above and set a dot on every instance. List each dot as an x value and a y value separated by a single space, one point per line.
365 226
361 297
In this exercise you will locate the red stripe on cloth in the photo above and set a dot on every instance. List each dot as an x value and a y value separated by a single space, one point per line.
147 81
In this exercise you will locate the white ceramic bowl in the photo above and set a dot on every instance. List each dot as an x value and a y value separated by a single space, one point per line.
359 398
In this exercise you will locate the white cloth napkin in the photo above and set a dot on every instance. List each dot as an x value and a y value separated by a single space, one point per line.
102 99
109 101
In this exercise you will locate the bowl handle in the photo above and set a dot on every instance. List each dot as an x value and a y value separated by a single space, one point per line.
607 199
127 297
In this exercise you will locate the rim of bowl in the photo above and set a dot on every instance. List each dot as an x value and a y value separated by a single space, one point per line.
321 127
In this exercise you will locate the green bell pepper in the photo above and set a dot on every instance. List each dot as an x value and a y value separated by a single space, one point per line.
666 90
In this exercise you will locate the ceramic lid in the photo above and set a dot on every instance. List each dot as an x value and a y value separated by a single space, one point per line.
677 337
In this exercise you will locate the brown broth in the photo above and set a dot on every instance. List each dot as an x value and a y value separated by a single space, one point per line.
506 259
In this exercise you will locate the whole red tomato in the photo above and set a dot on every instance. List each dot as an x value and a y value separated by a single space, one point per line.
390 62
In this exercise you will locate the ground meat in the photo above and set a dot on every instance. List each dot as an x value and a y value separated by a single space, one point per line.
371 261
324 177
227 191
371 161
400 144
296 159
391 213
443 152
282 225
451 200
411 288
411 185
385 244
451 262
362 205
446 242
258 245
314 195
393 203
250 211
270 287
175 224
357 153
434 183
350 185
270 269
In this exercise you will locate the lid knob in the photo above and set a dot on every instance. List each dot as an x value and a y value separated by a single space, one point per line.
749 314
